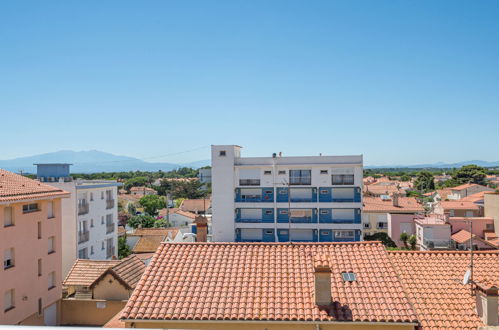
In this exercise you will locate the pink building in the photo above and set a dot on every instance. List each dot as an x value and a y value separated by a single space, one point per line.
433 233
399 223
30 247
481 225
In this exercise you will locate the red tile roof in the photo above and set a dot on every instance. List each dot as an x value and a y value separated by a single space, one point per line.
474 197
147 244
115 322
195 205
458 205
406 205
433 281
14 187
464 236
267 281
464 186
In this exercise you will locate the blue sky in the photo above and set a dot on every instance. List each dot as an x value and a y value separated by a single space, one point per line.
401 82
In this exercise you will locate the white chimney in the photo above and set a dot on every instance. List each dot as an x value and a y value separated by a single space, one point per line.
322 275
486 304
395 199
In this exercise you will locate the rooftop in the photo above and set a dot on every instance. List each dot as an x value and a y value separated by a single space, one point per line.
406 205
195 205
14 187
431 220
433 282
462 205
268 281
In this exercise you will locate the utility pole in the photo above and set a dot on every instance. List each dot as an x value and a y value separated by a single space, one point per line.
471 257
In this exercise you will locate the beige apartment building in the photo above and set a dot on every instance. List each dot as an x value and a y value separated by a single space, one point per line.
30 247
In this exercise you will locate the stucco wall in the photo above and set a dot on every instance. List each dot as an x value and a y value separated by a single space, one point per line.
85 312
397 223
266 326
491 208
110 289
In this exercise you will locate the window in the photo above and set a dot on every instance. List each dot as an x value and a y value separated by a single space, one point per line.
300 177
39 226
222 153
103 246
344 234
50 210
269 211
267 172
91 196
269 232
8 220
102 220
382 225
91 250
40 306
83 253
8 258
281 172
91 223
342 179
101 195
367 225
283 191
8 300
51 245
39 267
324 211
51 280
27 208
324 171
283 212
489 226
324 191
348 276
451 213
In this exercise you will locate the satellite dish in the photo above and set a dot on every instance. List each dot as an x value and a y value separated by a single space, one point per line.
467 275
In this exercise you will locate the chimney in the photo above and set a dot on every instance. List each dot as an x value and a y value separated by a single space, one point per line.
395 199
486 304
202 229
322 279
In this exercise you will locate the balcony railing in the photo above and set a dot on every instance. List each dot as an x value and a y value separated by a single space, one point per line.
83 209
83 236
298 181
249 182
110 252
109 228
438 244
109 203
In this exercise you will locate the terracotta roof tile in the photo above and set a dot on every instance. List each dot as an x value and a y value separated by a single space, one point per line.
149 243
474 197
433 282
15 187
406 205
267 281
195 205
115 322
155 232
464 186
129 270
461 205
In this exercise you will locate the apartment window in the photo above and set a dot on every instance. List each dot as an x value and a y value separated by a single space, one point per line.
269 232
91 196
39 229
8 219
489 226
382 225
91 223
8 300
8 258
322 211
269 211
91 250
267 172
102 220
103 245
367 225
51 280
51 245
344 234
83 253
222 153
451 213
324 171
101 195
39 267
282 172
50 210
27 208
283 191
348 276
40 306
300 177
342 179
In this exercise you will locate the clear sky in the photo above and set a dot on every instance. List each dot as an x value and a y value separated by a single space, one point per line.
401 82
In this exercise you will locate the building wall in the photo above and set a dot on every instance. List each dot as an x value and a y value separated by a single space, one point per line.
491 209
28 248
479 225
399 223
267 326
463 213
89 312
227 170
109 288
372 219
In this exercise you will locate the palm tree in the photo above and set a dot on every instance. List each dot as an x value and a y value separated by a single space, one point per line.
412 241
404 237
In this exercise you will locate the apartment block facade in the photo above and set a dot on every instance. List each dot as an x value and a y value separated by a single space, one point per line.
282 199
31 248
90 226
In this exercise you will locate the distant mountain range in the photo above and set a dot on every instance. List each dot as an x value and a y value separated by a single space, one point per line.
92 161
97 161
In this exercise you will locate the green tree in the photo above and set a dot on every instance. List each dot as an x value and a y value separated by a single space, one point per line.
470 174
136 182
405 178
383 237
424 181
162 223
141 221
152 203
404 237
412 241
178 202
123 248
132 209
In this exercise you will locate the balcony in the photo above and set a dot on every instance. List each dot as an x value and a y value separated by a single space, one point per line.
254 195
83 208
83 236
109 228
297 195
300 181
249 182
109 203
430 244
297 216
109 252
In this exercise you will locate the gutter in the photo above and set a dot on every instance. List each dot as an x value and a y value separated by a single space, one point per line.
273 322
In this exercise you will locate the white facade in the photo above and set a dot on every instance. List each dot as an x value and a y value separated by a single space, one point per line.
89 222
251 197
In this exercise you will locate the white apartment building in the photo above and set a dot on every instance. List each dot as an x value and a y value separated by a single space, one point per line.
281 199
89 216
